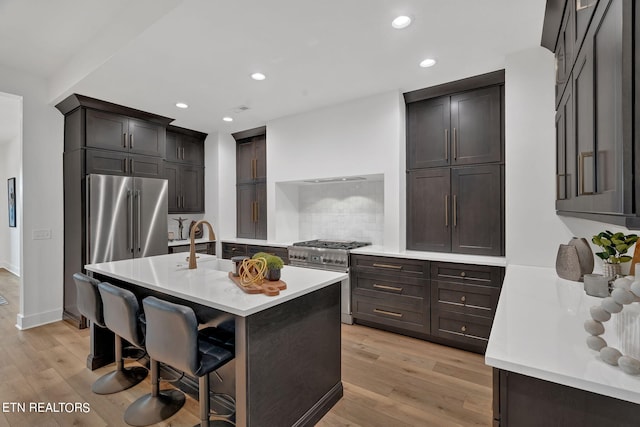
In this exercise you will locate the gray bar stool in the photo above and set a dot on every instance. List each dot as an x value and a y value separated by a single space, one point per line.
173 338
90 306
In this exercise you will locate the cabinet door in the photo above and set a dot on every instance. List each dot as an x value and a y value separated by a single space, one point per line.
476 126
583 93
146 138
565 49
192 150
245 211
583 12
173 147
476 210
565 152
192 189
146 167
172 174
428 210
107 130
106 162
261 211
428 138
245 166
260 154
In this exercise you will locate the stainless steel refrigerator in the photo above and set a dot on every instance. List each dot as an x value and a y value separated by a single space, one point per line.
126 217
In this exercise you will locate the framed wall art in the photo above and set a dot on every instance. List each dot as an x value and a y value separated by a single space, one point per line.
11 190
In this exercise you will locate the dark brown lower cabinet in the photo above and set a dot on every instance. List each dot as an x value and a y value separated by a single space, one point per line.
449 303
201 248
234 249
456 209
523 401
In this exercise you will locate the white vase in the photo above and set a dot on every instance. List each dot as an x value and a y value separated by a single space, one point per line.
611 270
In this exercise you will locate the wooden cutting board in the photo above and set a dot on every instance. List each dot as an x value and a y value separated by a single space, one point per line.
267 287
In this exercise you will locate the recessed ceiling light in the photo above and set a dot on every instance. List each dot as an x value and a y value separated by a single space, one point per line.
428 63
227 119
181 105
401 22
258 76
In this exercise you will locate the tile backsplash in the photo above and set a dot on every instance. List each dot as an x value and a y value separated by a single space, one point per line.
343 211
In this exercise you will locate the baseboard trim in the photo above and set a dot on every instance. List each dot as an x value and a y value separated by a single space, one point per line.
39 319
315 413
15 270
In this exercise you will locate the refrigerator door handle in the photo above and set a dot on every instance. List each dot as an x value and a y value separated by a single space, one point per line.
130 221
138 214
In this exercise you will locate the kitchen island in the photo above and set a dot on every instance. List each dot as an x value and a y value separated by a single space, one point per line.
287 361
545 373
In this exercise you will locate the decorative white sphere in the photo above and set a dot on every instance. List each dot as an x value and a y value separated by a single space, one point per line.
600 314
596 343
593 327
610 355
611 305
623 296
629 365
622 282
635 288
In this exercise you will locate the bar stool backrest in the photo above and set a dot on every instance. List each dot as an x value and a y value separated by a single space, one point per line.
121 310
172 334
88 298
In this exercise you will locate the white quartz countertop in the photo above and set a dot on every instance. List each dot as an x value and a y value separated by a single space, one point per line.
209 284
187 242
432 256
257 242
538 331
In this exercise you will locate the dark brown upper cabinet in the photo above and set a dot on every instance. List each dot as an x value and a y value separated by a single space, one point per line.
121 133
185 146
596 139
462 129
251 159
186 188
251 189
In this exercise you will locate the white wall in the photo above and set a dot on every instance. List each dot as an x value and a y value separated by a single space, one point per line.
533 230
10 166
42 207
362 137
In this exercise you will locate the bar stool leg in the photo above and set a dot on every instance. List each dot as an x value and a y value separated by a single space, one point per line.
205 406
120 379
154 407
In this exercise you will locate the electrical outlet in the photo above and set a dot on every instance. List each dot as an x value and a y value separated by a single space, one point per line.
41 234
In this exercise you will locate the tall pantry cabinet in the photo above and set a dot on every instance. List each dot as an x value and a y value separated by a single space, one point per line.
455 166
251 185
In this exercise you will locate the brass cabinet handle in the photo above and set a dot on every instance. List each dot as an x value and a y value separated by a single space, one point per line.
463 274
388 313
124 140
386 287
126 166
131 166
463 328
182 201
177 152
446 210
257 211
394 267
463 298
178 201
446 144
182 153
455 210
131 140
254 168
455 144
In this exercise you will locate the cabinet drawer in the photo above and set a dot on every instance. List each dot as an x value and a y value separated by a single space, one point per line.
410 314
272 250
460 327
231 249
399 266
465 298
467 273
365 282
201 248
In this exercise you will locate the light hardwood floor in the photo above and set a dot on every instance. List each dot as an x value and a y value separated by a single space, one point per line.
389 380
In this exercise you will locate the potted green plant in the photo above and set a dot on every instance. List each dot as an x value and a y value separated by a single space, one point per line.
274 265
614 248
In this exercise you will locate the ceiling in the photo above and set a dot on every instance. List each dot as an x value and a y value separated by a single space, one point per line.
150 54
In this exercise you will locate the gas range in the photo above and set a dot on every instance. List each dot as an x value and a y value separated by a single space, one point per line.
323 254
